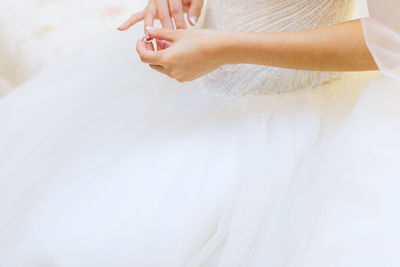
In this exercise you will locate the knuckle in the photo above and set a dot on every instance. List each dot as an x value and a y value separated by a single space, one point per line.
172 75
142 58
177 75
163 16
180 25
175 10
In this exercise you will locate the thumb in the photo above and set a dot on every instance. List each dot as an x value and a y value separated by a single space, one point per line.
195 11
162 34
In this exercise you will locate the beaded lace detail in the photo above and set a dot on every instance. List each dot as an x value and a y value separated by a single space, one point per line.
270 16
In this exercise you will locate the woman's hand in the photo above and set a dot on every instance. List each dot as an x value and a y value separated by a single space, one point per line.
189 54
165 10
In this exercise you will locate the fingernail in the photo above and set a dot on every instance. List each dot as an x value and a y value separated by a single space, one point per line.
122 25
193 20
149 29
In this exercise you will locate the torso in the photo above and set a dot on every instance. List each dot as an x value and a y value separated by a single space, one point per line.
270 16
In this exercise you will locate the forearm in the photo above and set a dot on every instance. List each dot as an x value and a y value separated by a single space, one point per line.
339 47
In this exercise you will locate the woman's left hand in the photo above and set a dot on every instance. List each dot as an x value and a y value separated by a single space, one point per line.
185 55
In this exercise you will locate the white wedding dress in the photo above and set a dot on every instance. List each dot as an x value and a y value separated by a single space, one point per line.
104 162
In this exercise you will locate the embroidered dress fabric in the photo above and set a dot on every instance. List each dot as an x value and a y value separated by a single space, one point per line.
270 16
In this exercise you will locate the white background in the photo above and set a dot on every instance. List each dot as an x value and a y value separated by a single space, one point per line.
34 31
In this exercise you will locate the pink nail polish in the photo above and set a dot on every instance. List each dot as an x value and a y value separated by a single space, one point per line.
193 20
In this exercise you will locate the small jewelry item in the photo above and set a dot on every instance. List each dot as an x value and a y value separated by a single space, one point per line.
146 39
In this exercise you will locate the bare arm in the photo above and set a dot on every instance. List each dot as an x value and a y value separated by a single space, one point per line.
339 47
194 53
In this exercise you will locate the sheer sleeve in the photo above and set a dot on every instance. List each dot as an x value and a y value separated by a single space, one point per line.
381 24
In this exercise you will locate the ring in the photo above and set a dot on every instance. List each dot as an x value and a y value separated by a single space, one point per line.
146 39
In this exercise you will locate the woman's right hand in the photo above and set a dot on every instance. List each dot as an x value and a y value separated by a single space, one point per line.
165 11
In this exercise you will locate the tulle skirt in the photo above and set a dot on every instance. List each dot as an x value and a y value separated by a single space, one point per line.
104 162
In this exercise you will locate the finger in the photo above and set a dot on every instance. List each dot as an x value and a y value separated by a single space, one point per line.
164 15
176 10
135 18
195 11
162 44
147 55
186 5
163 34
159 68
149 46
150 15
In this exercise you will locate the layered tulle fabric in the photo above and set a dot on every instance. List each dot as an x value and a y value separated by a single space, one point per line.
34 31
106 163
381 23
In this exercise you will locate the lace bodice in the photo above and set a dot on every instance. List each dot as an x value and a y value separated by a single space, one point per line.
271 16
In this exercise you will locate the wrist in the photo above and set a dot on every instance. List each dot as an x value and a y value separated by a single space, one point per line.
228 47
245 47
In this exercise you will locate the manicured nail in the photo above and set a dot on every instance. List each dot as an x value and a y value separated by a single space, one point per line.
149 29
122 26
193 20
